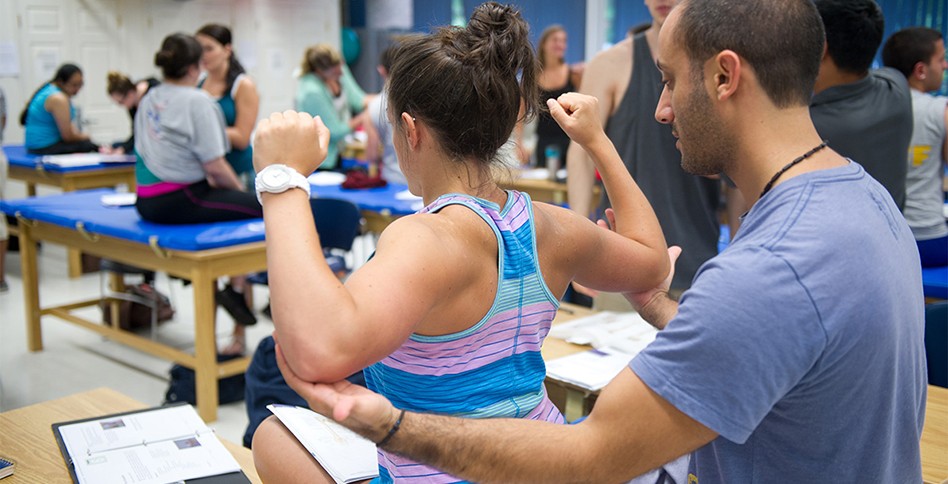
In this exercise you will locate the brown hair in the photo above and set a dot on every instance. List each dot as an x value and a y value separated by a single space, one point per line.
178 53
118 83
320 57
463 82
544 36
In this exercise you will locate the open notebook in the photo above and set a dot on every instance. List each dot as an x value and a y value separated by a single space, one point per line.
152 446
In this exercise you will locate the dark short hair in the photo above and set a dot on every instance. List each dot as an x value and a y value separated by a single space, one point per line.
464 83
178 53
908 47
854 30
782 40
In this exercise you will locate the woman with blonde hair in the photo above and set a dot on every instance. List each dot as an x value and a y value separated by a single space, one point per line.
328 90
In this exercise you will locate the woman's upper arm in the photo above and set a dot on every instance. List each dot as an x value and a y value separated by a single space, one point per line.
58 106
607 261
247 101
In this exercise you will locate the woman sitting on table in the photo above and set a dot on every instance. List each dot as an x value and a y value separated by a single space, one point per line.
49 116
181 174
450 313
127 94
236 94
328 90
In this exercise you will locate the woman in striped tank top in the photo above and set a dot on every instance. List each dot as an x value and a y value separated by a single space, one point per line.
449 315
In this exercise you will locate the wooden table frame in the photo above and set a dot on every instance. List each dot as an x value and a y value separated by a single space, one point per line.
202 268
69 181
27 437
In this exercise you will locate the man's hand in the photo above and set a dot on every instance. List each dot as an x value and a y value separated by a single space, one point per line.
356 407
642 301
295 139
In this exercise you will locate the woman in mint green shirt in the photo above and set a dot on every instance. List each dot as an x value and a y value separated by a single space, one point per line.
328 90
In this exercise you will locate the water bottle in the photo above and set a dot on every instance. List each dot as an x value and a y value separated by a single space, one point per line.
552 154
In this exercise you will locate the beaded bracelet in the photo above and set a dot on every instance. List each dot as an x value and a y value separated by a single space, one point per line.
391 431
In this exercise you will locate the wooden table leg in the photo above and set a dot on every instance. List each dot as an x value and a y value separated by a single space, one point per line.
34 333
73 256
575 402
205 346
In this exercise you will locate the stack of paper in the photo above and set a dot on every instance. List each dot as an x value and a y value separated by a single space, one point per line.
616 339
345 455
626 332
592 369
85 159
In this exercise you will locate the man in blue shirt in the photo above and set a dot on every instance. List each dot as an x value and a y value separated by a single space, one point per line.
796 356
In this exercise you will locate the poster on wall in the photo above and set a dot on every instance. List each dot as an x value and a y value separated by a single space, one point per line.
9 60
46 60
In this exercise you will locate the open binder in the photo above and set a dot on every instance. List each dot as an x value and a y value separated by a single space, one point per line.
155 445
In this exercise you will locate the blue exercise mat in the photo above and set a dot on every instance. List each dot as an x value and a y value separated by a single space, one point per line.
124 222
18 156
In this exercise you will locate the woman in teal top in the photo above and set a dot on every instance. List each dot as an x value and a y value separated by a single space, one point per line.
49 115
328 90
235 93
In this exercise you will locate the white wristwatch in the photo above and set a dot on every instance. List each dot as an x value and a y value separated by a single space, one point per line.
278 179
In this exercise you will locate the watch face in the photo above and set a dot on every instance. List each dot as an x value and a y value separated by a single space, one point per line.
275 178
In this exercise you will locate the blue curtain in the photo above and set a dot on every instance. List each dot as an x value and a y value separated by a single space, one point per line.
627 14
540 14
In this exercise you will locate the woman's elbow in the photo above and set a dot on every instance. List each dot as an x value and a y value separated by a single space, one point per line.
321 363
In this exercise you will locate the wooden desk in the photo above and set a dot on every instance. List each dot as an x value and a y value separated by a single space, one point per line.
574 401
935 437
27 437
544 190
23 167
201 267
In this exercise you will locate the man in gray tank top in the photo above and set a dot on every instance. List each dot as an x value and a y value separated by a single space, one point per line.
628 85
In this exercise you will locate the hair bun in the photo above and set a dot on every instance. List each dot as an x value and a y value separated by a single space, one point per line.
163 58
497 34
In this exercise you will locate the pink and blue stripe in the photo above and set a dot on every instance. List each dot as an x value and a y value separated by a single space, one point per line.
493 369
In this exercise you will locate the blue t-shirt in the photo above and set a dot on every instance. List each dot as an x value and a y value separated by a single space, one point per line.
802 344
41 129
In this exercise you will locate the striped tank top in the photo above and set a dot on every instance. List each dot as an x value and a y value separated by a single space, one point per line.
492 369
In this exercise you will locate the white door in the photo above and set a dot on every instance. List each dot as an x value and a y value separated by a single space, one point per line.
86 33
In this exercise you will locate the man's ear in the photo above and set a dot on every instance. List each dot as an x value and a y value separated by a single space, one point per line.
920 70
725 71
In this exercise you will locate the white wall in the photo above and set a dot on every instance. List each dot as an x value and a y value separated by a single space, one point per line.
100 35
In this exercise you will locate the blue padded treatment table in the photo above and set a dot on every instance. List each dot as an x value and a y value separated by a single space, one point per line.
30 170
381 200
379 206
18 156
201 253
85 208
